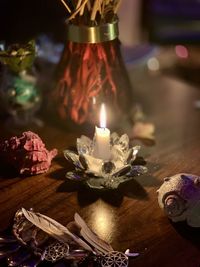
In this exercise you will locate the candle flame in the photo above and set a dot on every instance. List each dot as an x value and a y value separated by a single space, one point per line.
103 116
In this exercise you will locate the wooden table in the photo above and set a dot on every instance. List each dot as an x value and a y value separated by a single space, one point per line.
130 218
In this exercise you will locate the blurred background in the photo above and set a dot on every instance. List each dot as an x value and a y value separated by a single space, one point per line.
159 21
145 25
156 35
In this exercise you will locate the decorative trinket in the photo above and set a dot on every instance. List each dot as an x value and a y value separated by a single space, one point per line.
179 197
27 153
114 259
19 94
56 251
38 238
97 173
20 97
18 57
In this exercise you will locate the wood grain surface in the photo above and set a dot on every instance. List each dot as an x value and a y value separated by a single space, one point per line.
129 218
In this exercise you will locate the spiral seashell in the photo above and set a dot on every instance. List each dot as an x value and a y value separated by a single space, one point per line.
179 197
174 205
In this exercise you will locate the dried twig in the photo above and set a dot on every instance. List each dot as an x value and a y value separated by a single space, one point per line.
78 4
82 9
94 10
94 7
66 6
77 10
89 5
116 8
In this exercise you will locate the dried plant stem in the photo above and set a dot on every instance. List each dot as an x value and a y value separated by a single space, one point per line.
102 9
82 9
100 6
116 8
77 10
91 8
89 5
78 4
94 10
66 6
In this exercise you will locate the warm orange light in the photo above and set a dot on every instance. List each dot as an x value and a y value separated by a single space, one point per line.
103 116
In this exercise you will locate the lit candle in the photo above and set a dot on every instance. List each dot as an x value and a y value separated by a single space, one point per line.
102 137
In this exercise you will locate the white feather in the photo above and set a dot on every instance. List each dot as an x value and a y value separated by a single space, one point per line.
53 228
91 237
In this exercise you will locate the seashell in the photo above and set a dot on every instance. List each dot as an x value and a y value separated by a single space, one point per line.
174 205
179 197
27 153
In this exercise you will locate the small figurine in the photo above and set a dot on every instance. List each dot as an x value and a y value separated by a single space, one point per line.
179 197
27 153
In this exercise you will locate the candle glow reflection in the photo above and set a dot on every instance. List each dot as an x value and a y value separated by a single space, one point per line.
103 221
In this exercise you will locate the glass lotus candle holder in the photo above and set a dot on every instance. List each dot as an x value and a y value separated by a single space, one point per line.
123 165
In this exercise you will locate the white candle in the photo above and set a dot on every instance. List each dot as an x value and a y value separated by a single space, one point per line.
102 137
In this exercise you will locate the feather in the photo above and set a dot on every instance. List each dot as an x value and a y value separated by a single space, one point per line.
91 237
53 228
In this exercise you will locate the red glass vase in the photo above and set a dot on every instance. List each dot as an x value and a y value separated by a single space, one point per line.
88 75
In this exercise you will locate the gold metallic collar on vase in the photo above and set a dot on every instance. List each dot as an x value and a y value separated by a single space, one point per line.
95 34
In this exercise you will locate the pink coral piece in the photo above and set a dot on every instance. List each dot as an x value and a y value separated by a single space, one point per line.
27 153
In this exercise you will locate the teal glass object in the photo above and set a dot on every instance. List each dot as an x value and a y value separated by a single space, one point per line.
22 94
19 94
20 97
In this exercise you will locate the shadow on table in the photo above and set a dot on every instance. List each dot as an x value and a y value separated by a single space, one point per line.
192 234
7 171
86 196
133 189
